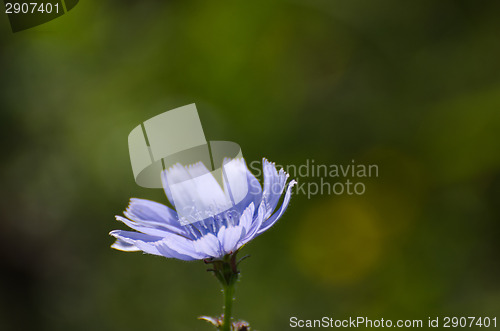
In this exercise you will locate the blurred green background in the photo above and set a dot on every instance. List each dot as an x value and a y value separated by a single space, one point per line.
413 87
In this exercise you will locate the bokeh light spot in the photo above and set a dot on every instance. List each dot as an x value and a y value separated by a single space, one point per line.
338 242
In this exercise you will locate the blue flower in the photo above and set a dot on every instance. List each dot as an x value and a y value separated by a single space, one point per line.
160 230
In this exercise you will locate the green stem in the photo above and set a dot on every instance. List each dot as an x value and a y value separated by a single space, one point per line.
228 306
227 273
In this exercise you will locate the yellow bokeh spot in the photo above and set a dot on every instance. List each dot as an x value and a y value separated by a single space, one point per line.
338 242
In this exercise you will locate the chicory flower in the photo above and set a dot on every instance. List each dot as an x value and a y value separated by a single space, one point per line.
159 230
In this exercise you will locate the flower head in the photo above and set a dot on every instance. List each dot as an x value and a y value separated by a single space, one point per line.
222 226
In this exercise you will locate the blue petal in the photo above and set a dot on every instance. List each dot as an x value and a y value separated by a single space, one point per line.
134 241
255 224
276 216
274 184
152 231
246 218
153 215
209 245
179 247
229 238
124 246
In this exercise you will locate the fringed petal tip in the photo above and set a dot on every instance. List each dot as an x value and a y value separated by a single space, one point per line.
122 245
266 162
